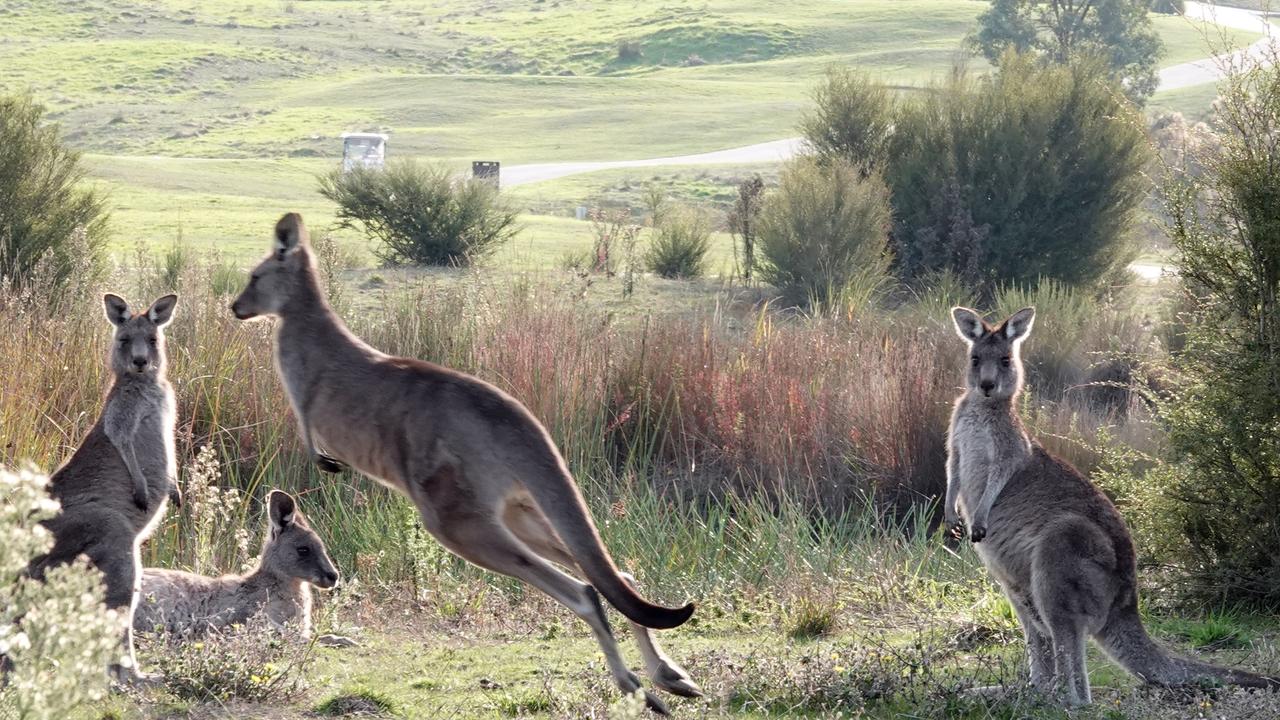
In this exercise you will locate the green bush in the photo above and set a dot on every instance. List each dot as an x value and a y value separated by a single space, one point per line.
421 214
852 117
50 225
824 231
681 238
1035 172
1223 473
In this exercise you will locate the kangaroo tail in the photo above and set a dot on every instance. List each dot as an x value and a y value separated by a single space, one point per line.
1127 642
561 501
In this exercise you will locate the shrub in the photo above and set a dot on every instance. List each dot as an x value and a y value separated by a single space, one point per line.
1224 463
824 230
421 214
254 662
1169 7
67 637
852 118
47 218
1035 172
743 220
681 238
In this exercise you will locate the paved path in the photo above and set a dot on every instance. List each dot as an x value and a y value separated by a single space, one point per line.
1177 76
1207 70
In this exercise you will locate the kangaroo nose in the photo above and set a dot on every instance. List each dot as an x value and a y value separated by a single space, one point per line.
140 363
987 385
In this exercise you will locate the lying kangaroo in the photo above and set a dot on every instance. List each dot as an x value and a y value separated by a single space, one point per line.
293 559
114 488
1053 541
485 476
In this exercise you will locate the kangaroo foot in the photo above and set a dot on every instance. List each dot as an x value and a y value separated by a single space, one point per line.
673 678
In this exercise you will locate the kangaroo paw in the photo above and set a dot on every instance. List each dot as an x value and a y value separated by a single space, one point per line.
328 464
175 496
979 532
140 499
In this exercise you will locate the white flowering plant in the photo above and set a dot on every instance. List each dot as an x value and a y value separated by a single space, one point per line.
57 635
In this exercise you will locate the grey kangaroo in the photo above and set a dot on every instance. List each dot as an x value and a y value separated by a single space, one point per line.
115 487
1054 542
486 478
293 559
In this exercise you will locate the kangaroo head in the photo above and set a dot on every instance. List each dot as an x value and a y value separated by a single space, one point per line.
995 366
137 347
292 548
282 275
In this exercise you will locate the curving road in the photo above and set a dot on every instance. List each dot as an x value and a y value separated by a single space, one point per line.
1177 76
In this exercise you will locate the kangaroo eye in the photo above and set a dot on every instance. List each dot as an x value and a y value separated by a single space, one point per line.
304 551
124 342
1004 361
975 361
152 341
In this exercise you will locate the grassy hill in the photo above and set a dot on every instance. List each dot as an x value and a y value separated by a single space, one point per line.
206 120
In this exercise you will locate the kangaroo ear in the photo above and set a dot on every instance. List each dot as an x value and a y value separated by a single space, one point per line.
281 509
161 311
969 324
117 309
1019 324
290 234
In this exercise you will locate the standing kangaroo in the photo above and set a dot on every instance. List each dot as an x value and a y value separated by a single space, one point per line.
1053 541
114 488
486 478
293 559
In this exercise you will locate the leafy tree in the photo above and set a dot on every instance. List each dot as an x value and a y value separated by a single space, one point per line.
1118 31
1035 172
824 231
49 223
421 214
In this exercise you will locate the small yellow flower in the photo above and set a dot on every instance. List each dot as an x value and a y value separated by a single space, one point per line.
839 668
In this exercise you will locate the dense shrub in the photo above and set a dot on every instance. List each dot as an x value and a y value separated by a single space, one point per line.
743 223
1034 172
681 238
824 230
1224 473
49 223
421 214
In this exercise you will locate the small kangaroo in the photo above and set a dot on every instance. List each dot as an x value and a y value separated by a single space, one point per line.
293 559
1054 542
115 487
486 478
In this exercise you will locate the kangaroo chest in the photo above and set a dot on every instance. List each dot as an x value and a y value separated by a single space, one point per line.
149 412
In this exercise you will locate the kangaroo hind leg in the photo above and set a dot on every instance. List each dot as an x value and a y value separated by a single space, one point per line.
489 543
528 523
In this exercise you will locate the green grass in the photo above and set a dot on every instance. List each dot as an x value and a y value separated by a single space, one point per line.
1186 40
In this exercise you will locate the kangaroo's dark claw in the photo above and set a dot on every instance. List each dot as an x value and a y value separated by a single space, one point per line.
328 464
